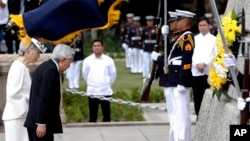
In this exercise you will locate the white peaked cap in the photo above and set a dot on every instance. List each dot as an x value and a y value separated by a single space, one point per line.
208 15
149 17
129 15
172 14
136 18
184 13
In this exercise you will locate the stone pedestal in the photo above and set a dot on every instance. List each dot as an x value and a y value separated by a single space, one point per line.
5 62
215 117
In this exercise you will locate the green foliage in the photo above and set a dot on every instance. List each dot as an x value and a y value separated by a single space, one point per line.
76 109
121 95
135 94
218 93
112 46
156 96
126 87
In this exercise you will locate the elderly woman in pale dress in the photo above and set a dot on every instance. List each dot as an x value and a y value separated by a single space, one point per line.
18 89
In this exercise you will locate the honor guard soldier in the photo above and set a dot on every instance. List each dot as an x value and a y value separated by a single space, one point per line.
163 82
149 40
73 73
136 44
179 77
126 41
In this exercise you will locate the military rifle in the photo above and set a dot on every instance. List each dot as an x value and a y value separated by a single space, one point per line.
146 88
244 118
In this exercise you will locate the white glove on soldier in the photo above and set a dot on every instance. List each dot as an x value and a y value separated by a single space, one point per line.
241 103
155 55
229 60
124 46
165 29
181 88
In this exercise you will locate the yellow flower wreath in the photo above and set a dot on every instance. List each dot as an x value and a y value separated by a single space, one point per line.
218 71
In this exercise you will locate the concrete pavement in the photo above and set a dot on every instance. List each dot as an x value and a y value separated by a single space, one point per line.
155 128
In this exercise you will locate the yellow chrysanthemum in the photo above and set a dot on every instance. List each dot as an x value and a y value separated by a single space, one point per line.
215 81
217 71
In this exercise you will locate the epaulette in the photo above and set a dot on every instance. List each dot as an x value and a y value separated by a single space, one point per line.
187 37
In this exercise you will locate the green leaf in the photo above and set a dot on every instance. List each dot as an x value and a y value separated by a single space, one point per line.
218 93
234 15
213 93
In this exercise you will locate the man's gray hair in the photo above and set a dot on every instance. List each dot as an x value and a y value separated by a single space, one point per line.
62 50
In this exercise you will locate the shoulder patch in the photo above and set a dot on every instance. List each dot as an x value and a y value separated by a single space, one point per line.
186 66
188 47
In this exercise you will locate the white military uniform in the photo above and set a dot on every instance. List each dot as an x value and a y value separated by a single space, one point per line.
149 36
126 41
136 43
73 72
178 97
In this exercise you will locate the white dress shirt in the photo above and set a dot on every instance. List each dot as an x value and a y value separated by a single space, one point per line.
4 13
17 91
203 52
99 74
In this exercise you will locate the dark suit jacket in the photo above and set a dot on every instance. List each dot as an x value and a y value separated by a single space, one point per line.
45 98
14 5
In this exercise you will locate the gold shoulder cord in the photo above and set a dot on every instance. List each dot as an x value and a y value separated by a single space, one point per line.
189 38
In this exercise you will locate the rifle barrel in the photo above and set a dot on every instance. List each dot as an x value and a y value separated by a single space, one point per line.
165 35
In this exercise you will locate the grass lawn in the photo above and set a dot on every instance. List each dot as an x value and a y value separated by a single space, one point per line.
127 87
125 81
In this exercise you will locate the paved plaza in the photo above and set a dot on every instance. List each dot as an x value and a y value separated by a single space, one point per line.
155 128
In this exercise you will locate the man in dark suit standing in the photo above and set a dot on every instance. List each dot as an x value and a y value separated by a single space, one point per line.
43 119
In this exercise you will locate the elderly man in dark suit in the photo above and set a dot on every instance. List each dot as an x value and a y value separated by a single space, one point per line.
43 119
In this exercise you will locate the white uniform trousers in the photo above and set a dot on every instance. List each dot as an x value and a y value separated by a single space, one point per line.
136 66
147 63
130 58
15 131
127 57
73 74
178 114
